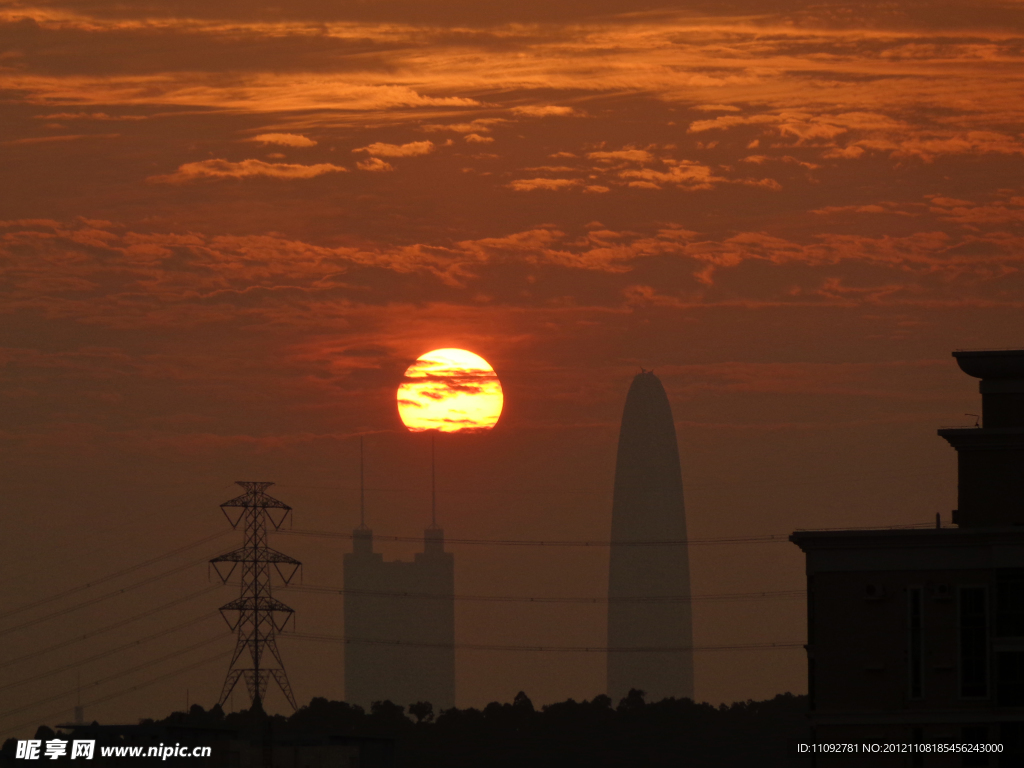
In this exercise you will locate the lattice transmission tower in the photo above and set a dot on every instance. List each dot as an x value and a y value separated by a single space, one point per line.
257 614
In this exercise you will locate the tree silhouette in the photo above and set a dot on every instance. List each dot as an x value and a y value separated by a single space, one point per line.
655 734
422 711
633 701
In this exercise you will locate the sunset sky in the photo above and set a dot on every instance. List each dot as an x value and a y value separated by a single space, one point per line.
228 228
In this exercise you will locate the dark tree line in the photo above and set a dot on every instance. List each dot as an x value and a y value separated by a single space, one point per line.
596 734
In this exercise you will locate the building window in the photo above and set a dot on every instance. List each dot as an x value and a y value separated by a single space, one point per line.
1010 602
810 648
916 655
811 683
973 642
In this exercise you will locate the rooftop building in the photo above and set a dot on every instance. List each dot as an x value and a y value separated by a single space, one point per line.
918 635
400 624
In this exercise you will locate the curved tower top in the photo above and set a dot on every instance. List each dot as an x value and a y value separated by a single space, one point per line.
648 482
648 506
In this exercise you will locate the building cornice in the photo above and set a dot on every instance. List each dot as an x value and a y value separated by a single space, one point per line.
984 438
902 538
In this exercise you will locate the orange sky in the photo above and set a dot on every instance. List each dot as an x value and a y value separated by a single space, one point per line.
227 229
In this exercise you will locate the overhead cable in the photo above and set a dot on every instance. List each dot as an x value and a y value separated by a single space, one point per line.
108 678
101 598
108 652
108 627
109 577
781 594
549 648
35 720
777 538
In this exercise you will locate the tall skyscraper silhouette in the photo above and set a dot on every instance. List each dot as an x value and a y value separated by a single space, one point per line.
648 506
400 618
400 624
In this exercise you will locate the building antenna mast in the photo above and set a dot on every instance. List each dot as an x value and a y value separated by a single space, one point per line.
433 481
362 487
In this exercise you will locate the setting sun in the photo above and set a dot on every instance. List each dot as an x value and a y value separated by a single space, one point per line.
450 390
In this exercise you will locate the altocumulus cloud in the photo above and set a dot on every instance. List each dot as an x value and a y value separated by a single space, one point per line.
545 111
629 154
374 164
284 139
529 185
380 149
224 169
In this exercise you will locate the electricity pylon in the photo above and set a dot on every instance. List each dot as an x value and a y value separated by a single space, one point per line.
257 614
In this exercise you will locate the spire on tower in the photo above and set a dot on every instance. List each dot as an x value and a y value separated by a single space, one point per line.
433 480
362 486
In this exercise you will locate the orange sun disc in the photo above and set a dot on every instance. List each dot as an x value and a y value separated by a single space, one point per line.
450 390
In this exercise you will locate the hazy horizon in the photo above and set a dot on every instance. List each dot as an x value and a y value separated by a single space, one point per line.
228 230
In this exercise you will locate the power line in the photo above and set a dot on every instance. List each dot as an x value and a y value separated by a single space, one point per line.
607 492
208 660
101 598
108 652
109 577
108 678
782 594
116 694
780 538
769 538
107 628
549 648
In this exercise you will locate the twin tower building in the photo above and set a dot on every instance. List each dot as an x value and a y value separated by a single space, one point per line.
400 616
